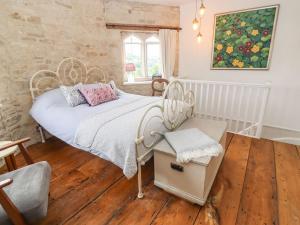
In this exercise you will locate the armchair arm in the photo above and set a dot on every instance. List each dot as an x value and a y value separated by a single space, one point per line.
6 182
22 148
8 206
14 143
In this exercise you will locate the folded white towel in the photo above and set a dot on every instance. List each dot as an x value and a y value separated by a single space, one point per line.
192 143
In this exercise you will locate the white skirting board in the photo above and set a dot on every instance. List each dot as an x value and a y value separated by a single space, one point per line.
281 134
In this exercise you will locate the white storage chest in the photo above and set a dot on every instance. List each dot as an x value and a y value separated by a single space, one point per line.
191 181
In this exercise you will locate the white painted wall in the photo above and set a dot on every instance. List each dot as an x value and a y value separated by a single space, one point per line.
283 108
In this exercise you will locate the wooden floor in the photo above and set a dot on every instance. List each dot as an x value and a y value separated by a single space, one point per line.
258 183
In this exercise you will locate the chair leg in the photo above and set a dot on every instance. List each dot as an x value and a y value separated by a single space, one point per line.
11 210
13 161
9 163
25 154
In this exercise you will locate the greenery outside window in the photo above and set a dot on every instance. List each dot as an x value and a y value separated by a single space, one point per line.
142 50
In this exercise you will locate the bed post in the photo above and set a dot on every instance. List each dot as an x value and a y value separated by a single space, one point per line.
140 182
40 129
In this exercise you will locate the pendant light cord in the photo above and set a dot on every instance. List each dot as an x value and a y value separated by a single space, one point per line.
196 10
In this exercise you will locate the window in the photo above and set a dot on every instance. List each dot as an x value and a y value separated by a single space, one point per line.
141 57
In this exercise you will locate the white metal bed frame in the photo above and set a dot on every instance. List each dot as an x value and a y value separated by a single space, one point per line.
70 71
176 106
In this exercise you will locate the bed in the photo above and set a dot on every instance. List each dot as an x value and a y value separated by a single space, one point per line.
122 131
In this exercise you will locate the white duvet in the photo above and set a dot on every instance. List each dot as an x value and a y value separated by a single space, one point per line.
113 133
108 130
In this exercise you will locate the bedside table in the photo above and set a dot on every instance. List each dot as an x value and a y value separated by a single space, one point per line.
191 181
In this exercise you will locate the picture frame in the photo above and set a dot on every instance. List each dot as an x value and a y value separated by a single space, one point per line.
244 39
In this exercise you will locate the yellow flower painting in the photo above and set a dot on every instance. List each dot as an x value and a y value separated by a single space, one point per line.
255 49
229 50
243 39
219 47
255 32
228 32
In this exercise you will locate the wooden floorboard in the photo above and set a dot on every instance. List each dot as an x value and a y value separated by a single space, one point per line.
103 175
226 192
146 208
228 140
259 197
103 208
288 183
176 212
258 183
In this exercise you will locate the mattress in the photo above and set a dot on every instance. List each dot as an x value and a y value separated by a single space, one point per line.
114 140
53 113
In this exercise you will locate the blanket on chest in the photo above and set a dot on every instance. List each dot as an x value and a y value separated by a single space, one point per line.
192 143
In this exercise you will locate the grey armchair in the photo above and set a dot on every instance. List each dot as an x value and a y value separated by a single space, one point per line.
24 192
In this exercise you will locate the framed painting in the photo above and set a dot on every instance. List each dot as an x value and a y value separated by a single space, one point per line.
243 39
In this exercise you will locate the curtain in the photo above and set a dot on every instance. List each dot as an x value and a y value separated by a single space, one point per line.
168 40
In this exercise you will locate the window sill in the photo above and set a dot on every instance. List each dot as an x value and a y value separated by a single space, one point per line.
137 82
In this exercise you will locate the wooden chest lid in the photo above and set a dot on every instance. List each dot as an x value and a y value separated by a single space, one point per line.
214 129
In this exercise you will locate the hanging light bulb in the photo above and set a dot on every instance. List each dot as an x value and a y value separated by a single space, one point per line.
202 9
196 21
195 24
199 37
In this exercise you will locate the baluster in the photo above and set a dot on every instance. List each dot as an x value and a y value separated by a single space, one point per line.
206 100
201 99
242 90
264 98
254 112
196 97
226 102
232 105
219 100
246 119
212 105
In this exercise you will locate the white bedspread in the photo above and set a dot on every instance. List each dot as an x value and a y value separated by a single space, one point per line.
108 130
113 133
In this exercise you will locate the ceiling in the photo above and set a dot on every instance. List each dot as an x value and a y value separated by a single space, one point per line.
165 2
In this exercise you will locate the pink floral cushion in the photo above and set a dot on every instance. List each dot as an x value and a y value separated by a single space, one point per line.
97 94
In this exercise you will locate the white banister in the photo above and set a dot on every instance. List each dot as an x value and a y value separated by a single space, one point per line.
242 105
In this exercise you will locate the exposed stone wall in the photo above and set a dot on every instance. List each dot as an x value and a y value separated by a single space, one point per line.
38 34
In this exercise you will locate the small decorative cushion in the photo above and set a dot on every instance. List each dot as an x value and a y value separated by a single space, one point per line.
72 95
114 87
98 94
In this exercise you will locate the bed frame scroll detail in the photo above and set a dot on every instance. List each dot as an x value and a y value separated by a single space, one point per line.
176 107
70 71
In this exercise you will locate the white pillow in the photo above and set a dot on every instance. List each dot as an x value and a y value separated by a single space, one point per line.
114 87
72 95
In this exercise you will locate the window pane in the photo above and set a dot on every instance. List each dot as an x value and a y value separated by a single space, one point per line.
133 54
153 59
132 39
152 39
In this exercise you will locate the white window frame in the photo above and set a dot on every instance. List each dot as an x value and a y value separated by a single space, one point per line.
143 36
